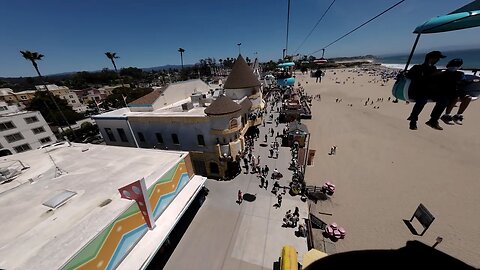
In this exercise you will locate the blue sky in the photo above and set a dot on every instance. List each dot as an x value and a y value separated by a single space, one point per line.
73 35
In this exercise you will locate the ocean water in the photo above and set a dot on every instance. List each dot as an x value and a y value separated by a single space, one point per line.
471 59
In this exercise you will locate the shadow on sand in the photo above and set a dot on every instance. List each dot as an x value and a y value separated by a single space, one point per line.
249 197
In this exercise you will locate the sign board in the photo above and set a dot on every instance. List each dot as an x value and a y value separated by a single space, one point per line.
423 216
137 191
318 222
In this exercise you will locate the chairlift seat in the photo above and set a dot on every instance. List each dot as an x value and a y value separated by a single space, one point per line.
401 88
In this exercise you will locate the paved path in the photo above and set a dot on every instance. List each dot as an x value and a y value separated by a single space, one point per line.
226 235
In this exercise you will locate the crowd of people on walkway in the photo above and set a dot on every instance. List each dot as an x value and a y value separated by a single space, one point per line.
254 164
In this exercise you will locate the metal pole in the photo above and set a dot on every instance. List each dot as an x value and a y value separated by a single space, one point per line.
288 24
306 156
411 53
131 131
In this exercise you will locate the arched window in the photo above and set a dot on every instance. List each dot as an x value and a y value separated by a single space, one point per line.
233 123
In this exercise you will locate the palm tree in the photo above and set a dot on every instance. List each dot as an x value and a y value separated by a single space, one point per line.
34 57
112 56
181 51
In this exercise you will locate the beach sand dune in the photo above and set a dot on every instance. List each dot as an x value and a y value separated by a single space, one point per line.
383 170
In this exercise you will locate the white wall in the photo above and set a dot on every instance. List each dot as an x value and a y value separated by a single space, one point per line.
186 131
114 125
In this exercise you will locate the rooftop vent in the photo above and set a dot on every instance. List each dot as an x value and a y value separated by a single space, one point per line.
187 106
59 199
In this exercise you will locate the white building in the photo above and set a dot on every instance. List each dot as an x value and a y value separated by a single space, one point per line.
68 95
22 130
63 210
189 116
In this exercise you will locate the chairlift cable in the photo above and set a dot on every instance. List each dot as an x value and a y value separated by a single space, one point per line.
315 26
288 25
358 27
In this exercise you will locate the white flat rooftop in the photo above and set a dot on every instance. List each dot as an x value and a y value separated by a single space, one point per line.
35 236
172 110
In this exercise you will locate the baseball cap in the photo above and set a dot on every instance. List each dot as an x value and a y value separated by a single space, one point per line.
435 54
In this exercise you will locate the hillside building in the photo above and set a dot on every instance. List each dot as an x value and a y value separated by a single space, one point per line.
21 131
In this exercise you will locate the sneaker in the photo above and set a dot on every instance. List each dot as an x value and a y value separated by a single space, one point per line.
413 125
434 125
458 119
447 119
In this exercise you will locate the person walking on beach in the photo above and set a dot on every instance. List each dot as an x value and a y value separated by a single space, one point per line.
279 200
240 197
266 183
318 76
420 90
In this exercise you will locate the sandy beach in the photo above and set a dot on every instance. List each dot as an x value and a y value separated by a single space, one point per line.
383 170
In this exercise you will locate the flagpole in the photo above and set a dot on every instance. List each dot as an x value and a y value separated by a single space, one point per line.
96 104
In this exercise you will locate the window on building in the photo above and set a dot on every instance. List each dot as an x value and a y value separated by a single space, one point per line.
73 101
38 130
123 136
23 97
233 124
200 140
6 126
71 96
3 108
175 139
22 148
30 120
110 135
141 137
14 137
159 137
45 140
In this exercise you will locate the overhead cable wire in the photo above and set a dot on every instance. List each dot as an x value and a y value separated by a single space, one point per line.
315 26
338 39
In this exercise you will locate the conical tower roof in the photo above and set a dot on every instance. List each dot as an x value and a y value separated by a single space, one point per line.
222 105
241 76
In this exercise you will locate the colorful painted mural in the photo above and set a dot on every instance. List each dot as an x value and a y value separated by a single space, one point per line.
113 243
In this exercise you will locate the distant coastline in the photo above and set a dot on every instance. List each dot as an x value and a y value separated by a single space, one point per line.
471 58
